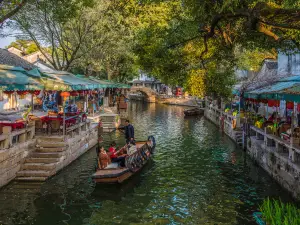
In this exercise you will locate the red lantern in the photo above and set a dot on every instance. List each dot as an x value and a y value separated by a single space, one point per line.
37 92
290 105
65 94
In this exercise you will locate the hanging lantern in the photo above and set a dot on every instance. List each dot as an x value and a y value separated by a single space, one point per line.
65 94
36 92
290 105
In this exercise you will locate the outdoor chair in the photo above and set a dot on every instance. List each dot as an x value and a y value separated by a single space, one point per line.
55 126
38 125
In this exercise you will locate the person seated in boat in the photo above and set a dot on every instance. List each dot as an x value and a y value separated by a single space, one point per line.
103 159
114 155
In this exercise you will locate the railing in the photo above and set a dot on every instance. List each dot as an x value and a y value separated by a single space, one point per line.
12 138
286 149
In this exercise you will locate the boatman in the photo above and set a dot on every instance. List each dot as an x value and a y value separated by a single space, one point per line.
129 132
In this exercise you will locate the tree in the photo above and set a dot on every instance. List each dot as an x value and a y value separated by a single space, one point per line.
205 35
58 28
9 8
27 47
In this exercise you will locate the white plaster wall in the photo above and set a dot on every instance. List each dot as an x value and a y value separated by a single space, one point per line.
4 105
289 64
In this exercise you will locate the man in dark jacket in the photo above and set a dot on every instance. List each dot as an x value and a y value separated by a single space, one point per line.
129 132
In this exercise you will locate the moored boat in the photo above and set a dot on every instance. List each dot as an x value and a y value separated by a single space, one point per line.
193 112
134 162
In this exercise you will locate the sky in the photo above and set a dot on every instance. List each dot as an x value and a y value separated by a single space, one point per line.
6 41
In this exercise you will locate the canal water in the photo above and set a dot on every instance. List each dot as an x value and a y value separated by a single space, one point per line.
197 176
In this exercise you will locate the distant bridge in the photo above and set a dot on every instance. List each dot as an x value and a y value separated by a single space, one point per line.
150 95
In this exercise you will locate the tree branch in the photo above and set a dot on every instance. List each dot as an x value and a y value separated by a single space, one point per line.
13 12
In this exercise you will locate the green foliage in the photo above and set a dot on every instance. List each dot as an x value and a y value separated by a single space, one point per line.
252 60
26 46
216 36
276 212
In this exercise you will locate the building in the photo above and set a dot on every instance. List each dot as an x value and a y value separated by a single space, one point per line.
32 58
146 81
289 63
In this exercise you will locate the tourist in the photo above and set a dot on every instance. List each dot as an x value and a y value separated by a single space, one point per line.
114 155
103 159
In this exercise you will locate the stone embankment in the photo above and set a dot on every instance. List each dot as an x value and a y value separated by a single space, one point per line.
180 101
41 157
279 158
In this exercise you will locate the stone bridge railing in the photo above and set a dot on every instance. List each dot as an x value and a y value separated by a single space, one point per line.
148 92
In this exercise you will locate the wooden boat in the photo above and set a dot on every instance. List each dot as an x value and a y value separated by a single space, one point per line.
133 164
193 112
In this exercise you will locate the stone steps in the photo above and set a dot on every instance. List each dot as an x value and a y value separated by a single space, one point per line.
49 150
47 154
51 139
31 178
38 166
41 160
51 144
35 173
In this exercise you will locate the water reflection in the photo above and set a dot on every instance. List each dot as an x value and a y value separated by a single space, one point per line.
197 176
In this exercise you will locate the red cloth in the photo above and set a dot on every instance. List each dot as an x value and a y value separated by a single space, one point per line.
272 103
290 105
15 125
113 152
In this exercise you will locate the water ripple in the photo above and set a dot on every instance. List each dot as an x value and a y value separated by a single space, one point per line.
196 177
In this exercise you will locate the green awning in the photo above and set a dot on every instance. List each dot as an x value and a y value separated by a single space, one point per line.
59 80
285 89
16 78
34 72
96 82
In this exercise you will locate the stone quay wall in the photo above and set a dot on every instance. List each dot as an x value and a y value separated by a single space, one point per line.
13 155
276 156
11 160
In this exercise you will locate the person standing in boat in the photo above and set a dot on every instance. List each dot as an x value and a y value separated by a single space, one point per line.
129 132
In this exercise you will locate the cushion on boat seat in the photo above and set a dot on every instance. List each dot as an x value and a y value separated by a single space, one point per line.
112 166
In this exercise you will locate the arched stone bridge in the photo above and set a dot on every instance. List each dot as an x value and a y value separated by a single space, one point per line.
150 95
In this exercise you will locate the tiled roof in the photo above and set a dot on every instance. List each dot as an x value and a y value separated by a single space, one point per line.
8 58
